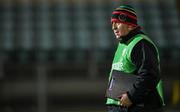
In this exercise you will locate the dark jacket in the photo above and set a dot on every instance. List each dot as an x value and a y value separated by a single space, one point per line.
145 58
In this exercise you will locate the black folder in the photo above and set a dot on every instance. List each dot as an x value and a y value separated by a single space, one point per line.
119 84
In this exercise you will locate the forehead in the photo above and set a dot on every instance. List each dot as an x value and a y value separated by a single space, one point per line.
119 23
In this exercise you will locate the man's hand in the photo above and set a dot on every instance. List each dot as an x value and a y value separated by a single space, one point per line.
125 101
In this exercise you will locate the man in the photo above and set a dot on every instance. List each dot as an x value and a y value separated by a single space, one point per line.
136 54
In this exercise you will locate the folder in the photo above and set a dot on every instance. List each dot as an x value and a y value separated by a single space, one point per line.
119 84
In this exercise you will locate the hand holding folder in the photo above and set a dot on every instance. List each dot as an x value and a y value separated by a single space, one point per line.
119 84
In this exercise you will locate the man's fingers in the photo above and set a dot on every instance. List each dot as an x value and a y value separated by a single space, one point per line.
125 101
121 100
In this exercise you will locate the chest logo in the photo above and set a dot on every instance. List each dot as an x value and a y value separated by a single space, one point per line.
117 66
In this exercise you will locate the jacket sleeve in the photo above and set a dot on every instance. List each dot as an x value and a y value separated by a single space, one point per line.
144 57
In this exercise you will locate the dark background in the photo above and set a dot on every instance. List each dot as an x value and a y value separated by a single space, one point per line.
55 55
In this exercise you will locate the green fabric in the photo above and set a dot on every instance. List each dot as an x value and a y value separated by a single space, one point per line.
122 62
160 90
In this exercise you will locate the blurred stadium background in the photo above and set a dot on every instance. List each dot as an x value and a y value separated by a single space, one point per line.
55 55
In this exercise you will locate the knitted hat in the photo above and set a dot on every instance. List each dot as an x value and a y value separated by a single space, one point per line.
125 14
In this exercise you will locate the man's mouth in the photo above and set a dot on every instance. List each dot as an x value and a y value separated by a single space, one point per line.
116 33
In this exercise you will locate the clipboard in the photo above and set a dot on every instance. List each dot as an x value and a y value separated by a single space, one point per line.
119 84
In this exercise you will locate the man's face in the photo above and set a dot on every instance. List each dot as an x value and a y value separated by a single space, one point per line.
120 29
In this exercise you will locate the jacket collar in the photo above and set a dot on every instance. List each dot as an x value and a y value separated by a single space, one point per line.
131 34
